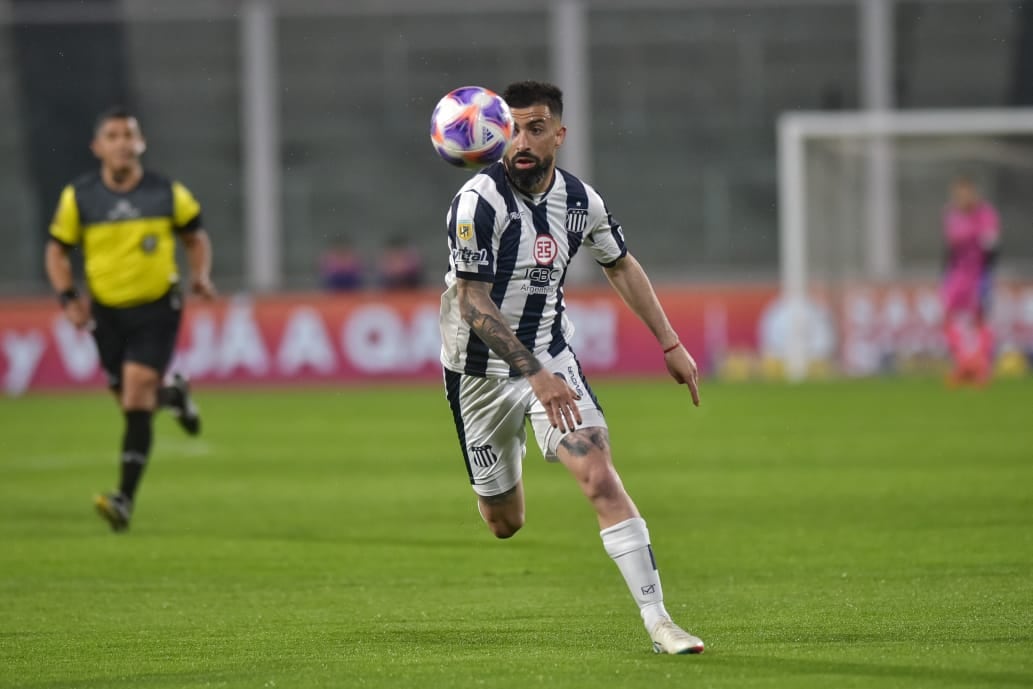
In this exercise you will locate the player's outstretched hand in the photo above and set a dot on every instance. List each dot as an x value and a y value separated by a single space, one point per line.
203 288
682 368
558 398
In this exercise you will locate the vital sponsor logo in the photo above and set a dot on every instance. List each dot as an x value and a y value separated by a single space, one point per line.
482 456
470 257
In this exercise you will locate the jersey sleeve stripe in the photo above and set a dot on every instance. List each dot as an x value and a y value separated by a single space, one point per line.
476 277
471 233
618 239
66 226
185 208
451 219
62 242
484 228
611 264
192 225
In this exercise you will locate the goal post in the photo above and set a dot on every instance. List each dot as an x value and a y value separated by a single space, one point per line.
873 136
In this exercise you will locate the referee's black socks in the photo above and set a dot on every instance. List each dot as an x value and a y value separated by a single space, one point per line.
170 396
136 448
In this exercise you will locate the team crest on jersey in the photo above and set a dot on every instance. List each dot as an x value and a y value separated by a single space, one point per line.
577 220
149 243
545 250
464 229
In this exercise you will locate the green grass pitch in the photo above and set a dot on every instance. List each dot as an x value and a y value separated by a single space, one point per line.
848 534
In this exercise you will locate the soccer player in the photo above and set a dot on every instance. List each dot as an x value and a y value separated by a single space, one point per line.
972 232
512 230
126 220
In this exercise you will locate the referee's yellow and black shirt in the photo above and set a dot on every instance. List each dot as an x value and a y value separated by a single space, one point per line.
128 239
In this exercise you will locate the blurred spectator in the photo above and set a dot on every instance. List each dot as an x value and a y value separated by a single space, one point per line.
401 265
340 267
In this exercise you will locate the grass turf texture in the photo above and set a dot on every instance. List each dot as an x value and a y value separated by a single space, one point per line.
841 534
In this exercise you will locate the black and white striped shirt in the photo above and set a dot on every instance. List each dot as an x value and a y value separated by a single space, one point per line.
523 246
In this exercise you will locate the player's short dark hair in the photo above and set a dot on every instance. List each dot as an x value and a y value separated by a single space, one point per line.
115 112
524 94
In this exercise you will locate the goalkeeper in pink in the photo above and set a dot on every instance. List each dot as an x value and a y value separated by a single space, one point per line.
972 232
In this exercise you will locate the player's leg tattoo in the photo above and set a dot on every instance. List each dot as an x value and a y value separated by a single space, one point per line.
586 454
581 442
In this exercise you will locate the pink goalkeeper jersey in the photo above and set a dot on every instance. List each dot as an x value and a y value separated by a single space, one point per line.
969 234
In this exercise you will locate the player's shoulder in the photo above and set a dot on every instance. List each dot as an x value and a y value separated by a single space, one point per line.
153 180
489 186
488 182
576 185
85 191
86 182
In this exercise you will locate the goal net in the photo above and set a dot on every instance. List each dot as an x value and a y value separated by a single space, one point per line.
862 197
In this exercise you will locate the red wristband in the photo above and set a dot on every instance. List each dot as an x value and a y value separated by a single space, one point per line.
672 348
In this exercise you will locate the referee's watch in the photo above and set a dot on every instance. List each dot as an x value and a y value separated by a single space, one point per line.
65 297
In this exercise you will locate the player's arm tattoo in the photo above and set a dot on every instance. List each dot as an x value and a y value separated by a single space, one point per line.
580 443
485 319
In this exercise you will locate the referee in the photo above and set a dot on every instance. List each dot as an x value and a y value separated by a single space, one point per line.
126 220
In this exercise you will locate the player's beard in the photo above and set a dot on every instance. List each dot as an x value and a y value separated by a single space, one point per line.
122 173
528 179
123 167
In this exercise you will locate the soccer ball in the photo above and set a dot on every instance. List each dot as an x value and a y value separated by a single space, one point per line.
471 127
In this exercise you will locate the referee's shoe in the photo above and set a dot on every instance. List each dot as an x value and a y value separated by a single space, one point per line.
115 508
177 398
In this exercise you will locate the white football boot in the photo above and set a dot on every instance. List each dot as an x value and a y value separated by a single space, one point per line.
670 638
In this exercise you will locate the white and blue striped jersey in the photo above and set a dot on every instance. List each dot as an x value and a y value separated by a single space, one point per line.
522 245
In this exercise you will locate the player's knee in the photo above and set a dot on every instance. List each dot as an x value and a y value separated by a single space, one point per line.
503 520
505 527
601 482
139 387
139 398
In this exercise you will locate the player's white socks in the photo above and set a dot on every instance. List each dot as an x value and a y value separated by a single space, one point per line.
627 543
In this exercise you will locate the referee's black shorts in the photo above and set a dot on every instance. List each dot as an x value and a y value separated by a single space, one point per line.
144 334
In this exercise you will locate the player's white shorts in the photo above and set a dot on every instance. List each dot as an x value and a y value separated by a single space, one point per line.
489 415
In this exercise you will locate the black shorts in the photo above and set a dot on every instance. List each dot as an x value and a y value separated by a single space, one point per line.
144 334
